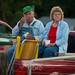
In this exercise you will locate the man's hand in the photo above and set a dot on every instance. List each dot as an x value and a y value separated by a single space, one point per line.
29 37
22 21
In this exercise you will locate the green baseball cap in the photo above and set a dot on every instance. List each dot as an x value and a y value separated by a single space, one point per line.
27 9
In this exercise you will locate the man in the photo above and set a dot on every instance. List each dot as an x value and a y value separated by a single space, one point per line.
28 20
28 24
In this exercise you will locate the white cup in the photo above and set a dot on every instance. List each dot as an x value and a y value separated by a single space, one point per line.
47 42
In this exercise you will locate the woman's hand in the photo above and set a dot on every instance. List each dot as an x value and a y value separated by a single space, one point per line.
52 44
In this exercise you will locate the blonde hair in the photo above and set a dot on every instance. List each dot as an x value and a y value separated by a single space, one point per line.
56 9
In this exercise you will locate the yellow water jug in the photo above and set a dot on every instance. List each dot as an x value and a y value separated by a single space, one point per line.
29 49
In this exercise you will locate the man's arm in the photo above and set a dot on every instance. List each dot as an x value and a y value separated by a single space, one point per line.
15 30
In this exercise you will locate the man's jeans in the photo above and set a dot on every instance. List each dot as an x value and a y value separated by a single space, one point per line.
10 52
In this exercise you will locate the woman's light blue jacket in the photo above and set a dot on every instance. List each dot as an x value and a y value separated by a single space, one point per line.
61 35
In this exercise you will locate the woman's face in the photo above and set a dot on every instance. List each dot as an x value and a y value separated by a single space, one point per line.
57 16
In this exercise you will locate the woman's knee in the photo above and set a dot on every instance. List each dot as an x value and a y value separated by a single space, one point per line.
40 52
50 52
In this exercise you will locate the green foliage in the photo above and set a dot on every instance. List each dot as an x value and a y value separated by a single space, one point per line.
11 10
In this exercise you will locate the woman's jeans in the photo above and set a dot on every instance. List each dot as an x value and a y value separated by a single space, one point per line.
51 51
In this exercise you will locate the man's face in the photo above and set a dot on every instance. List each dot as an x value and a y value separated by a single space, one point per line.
29 17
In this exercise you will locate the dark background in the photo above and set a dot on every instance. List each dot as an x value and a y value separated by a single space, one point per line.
11 10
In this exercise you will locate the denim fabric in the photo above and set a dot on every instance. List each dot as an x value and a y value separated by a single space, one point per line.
48 51
24 30
41 51
38 28
9 53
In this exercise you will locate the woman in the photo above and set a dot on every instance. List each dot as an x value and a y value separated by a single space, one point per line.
57 32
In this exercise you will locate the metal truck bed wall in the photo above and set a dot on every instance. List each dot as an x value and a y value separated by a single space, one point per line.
44 67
